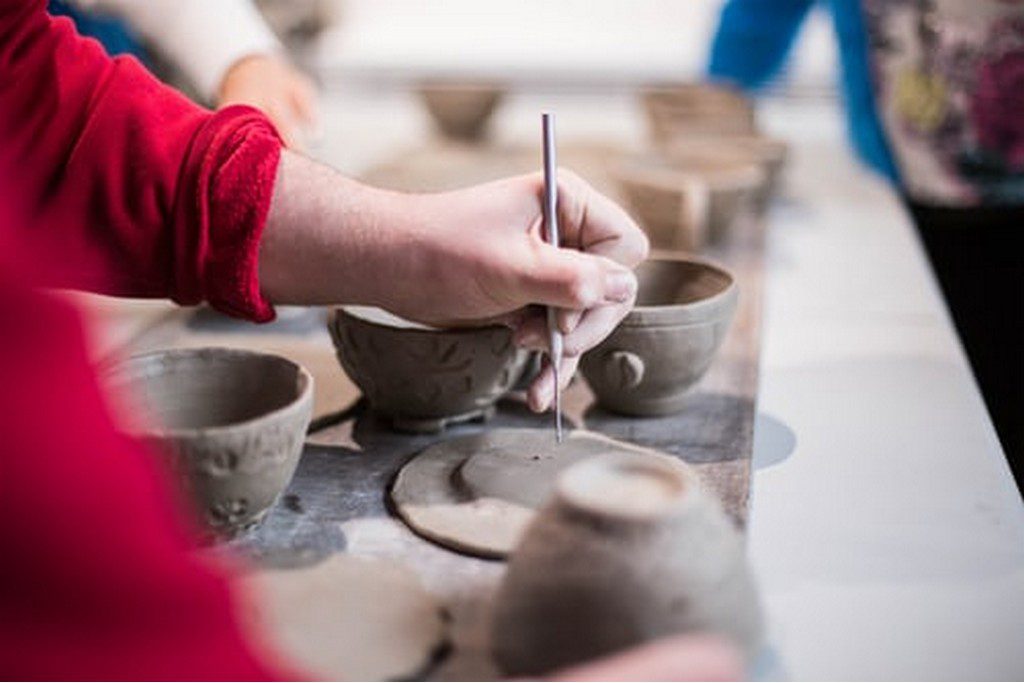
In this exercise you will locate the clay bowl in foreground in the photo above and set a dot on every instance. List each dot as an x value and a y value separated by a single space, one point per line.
663 346
233 423
461 112
623 553
421 378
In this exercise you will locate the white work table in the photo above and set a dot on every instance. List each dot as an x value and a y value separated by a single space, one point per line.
886 530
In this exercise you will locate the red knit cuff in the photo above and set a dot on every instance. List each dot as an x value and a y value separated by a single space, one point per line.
230 176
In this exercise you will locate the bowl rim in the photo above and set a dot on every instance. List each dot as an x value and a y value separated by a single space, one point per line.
338 312
693 312
297 404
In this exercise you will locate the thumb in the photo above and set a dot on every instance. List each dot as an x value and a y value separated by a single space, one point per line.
566 278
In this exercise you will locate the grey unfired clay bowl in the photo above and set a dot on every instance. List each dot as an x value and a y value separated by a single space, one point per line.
233 423
461 112
697 109
625 552
667 342
424 379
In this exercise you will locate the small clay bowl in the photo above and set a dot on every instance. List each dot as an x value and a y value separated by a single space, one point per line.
697 109
233 423
624 552
421 378
461 112
667 342
768 153
671 207
713 191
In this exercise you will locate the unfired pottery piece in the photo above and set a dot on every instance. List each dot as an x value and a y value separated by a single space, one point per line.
348 618
667 342
422 378
477 493
671 207
768 153
461 112
655 185
232 421
625 552
697 109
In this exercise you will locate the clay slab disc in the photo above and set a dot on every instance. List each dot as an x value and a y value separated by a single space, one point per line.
476 494
349 618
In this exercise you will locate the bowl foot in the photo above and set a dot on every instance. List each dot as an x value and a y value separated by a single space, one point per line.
434 425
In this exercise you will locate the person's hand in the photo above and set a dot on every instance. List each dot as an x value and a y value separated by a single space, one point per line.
466 257
486 259
280 91
679 658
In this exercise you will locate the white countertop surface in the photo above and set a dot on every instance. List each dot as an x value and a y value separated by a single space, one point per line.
886 530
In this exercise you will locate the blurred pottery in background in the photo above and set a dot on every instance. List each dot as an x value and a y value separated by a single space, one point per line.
625 551
461 112
697 109
232 422
671 207
666 343
767 153
421 378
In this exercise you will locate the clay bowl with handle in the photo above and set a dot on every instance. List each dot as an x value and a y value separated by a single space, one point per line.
461 111
624 552
663 347
420 378
231 422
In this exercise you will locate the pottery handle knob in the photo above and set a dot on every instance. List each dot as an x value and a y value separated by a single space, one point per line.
624 369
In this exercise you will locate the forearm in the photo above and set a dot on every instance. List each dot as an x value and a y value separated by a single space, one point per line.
332 240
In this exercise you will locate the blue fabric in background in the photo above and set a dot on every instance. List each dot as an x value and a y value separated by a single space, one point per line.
115 35
754 39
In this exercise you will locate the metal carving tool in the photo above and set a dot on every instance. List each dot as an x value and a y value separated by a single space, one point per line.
551 229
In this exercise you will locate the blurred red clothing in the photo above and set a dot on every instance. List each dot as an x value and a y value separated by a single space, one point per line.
112 182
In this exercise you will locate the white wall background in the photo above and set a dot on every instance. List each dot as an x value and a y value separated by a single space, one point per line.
578 41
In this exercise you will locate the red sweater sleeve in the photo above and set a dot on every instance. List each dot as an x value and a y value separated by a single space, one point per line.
143 192
99 575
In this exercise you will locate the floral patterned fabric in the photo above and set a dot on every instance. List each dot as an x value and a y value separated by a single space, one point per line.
949 86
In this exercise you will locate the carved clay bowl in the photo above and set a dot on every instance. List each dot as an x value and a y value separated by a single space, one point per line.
697 109
664 345
461 112
624 552
424 379
233 423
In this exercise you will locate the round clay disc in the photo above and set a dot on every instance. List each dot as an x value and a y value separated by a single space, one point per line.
476 494
349 618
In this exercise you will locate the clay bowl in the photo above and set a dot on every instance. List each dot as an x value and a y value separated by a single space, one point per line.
624 552
655 186
697 108
671 207
233 423
768 153
461 112
423 379
664 345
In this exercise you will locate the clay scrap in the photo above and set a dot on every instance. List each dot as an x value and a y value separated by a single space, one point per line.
476 494
348 618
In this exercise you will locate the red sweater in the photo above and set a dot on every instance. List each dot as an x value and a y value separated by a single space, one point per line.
113 182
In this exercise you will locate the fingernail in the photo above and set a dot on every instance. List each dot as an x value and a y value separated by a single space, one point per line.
542 397
619 286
